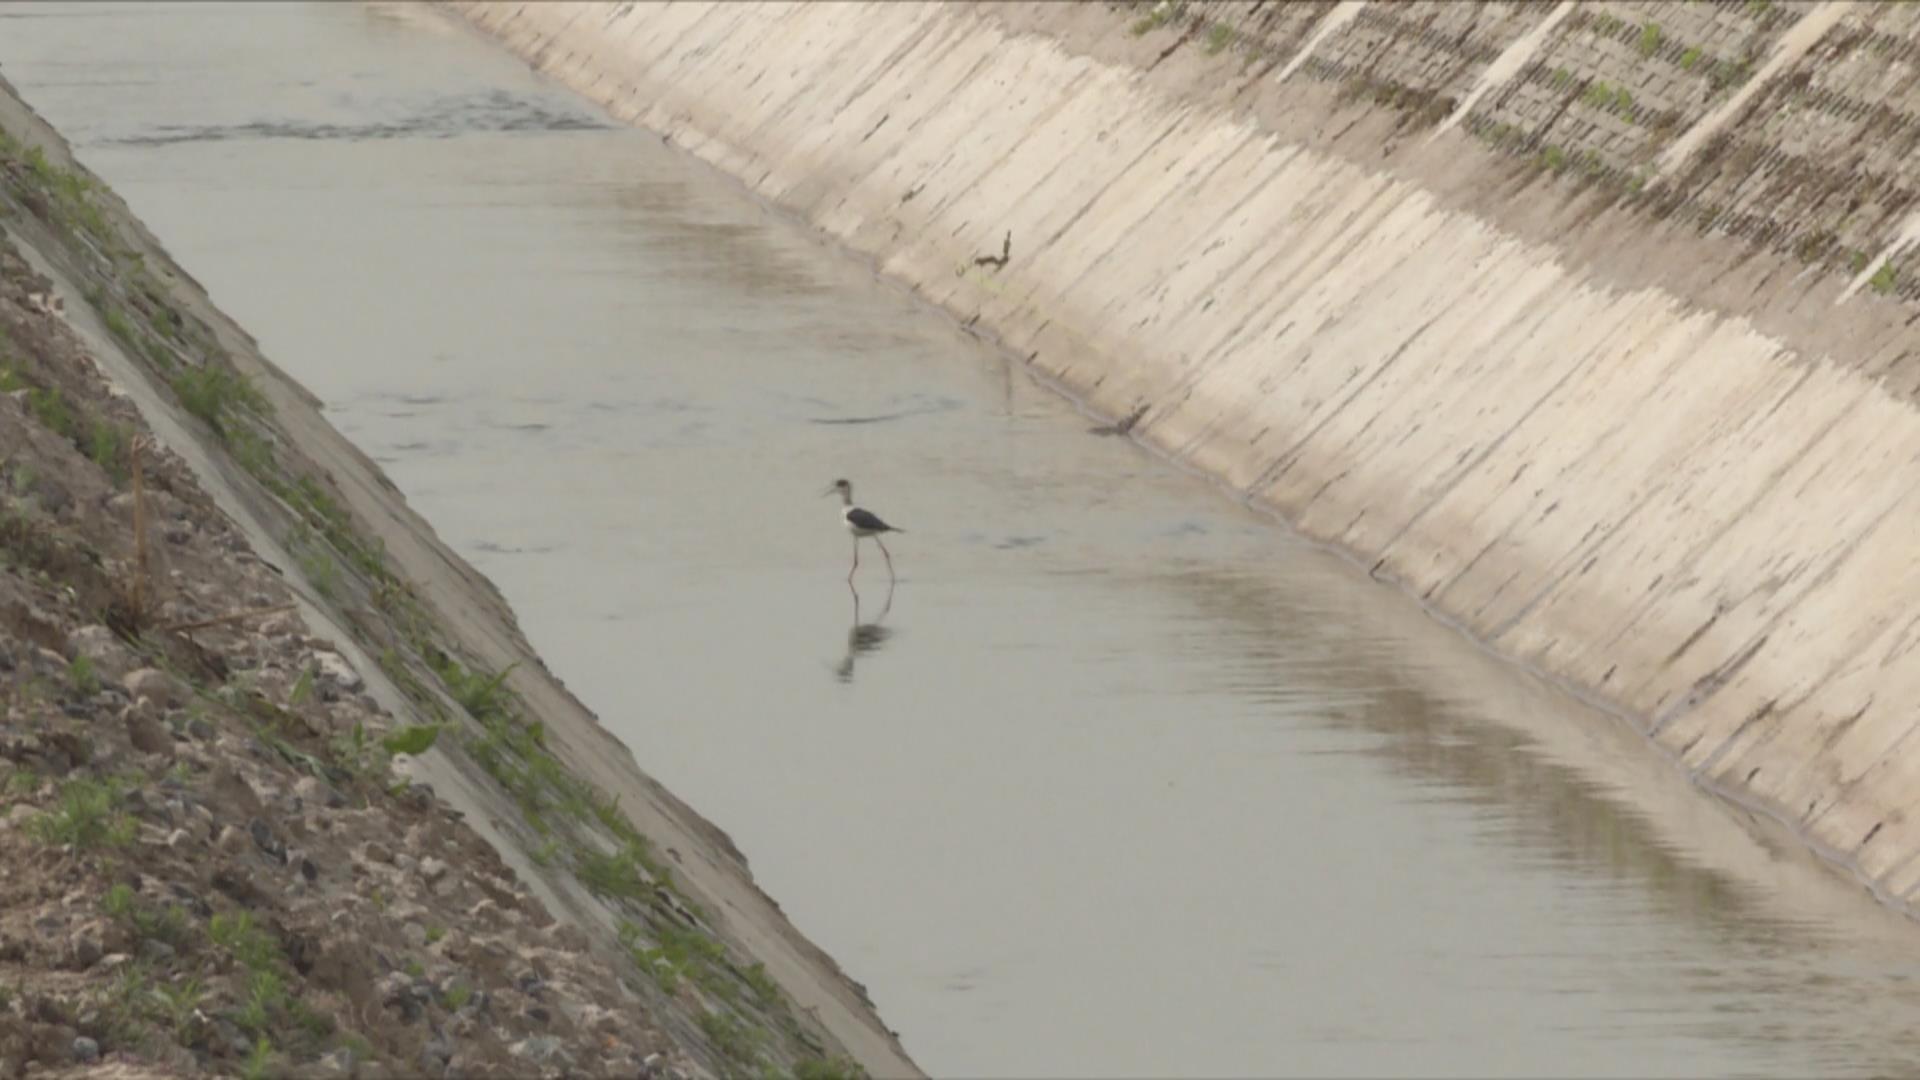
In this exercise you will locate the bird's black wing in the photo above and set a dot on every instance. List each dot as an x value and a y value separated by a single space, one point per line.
863 519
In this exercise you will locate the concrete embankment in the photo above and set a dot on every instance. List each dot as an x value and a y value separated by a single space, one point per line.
365 828
1588 324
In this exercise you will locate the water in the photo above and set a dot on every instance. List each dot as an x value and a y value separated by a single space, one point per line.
1122 781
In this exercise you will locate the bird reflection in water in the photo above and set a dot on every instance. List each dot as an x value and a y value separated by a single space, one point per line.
864 638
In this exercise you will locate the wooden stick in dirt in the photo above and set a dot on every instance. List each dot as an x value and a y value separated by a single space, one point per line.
137 592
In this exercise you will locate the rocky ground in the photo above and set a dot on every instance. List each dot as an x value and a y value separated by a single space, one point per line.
212 867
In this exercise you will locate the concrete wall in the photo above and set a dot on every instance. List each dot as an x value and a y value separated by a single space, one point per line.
1668 461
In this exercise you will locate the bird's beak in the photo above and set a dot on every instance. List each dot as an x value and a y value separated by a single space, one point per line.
830 490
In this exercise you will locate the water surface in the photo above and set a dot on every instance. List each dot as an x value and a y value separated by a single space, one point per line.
1121 780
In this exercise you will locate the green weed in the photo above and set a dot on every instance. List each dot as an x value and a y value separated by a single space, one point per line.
414 739
86 815
1218 38
1884 279
729 1036
1650 39
235 934
107 445
85 679
259 1064
177 1004
216 395
166 924
51 409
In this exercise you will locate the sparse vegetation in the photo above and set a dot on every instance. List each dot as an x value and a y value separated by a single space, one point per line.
163 923
80 672
302 689
107 445
266 1000
414 739
259 1064
235 934
1161 14
1690 58
1650 39
1218 38
1884 279
178 1004
50 409
1728 74
730 1037
320 570
626 874
87 815
216 395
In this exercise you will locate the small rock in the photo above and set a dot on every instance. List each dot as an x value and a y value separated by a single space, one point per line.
157 686
285 624
200 728
336 674
569 937
653 1065
539 1049
179 838
414 934
155 951
379 852
432 869
308 870
85 947
264 839
337 1063
231 841
538 1014
85 1050
144 729
435 1055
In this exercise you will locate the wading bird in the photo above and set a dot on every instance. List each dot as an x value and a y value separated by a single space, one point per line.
861 523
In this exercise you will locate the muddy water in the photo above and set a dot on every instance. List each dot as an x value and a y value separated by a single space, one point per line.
1118 779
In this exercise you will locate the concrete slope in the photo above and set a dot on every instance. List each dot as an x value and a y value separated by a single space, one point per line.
1663 464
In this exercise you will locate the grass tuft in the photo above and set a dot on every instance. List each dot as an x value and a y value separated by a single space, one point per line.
86 814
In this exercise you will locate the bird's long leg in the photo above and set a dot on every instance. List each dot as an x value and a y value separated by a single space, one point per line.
856 560
889 556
